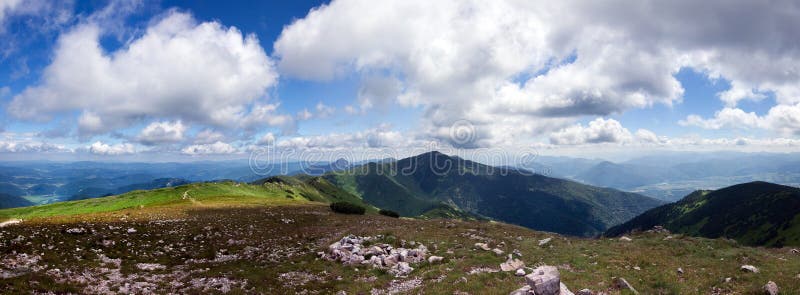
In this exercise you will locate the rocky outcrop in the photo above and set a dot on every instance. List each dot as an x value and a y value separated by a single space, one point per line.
351 250
749 268
771 288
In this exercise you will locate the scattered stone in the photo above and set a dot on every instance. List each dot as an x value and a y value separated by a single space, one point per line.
76 231
131 230
749 268
498 252
350 250
526 290
625 239
680 271
793 251
512 264
150 266
771 288
658 230
482 246
585 292
727 280
434 259
621 283
544 241
544 280
520 272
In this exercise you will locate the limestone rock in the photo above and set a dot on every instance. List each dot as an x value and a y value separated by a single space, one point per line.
435 259
545 241
621 283
771 288
544 280
749 268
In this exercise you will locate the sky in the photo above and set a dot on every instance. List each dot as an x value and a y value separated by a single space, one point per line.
206 80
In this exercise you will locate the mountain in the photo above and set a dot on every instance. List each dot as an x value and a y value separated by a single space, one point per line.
415 185
11 201
754 213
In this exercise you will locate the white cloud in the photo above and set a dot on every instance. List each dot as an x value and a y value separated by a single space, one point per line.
100 148
195 72
598 131
12 146
266 139
208 136
540 65
782 119
162 132
647 136
216 148
324 111
304 115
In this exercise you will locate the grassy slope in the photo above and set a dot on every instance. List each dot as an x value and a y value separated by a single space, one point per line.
285 255
756 213
201 194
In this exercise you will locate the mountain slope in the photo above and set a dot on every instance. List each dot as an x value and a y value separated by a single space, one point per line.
754 213
9 201
415 185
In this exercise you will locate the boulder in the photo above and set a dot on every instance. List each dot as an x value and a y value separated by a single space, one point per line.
520 272
401 269
498 252
625 239
545 241
585 292
544 280
621 283
522 291
749 268
771 288
564 290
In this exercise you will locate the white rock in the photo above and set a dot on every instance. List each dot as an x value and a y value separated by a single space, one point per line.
545 241
150 266
749 268
482 246
522 291
585 292
512 264
498 252
625 239
435 259
520 272
771 288
544 280
131 230
10 222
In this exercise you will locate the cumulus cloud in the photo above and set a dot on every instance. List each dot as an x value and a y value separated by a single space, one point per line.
162 132
100 148
266 139
540 65
195 72
216 148
598 131
782 119
29 146
379 137
208 136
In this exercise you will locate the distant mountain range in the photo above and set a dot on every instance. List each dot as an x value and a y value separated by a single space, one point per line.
755 213
416 185
671 175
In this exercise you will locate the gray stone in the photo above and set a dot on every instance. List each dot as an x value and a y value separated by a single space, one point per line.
771 288
512 264
545 241
482 246
498 252
585 292
522 291
544 280
520 272
435 259
749 268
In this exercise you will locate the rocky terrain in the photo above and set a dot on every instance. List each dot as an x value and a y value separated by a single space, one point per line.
307 249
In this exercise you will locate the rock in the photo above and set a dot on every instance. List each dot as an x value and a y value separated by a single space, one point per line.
727 280
585 292
680 271
482 246
621 283
131 230
749 268
498 252
771 288
435 259
520 272
10 222
76 231
564 290
401 269
794 251
150 266
512 264
522 291
544 241
544 280
625 239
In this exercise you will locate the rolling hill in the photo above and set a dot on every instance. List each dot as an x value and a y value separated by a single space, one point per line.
754 213
415 185
10 201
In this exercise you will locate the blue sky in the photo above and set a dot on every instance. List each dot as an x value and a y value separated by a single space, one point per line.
196 80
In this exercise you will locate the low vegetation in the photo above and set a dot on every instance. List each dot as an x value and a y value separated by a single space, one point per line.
347 208
389 213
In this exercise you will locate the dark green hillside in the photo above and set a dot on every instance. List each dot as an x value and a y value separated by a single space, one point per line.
9 201
755 213
313 188
415 185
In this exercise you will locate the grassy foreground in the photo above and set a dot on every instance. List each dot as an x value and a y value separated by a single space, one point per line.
272 250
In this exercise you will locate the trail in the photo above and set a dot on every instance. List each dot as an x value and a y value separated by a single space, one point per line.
10 222
187 196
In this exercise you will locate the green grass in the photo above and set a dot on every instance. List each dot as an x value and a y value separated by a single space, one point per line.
39 199
197 194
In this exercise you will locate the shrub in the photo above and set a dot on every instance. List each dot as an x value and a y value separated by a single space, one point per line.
389 213
347 208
